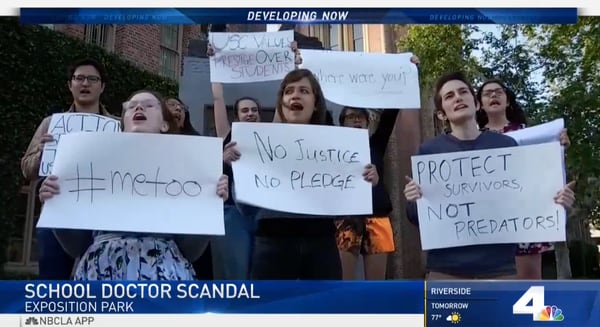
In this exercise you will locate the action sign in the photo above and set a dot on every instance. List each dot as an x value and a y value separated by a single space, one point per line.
305 169
490 196
65 123
137 182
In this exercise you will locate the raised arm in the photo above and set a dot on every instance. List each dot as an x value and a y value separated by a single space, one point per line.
381 137
222 123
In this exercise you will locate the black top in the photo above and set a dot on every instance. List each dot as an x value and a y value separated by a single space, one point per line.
227 170
382 206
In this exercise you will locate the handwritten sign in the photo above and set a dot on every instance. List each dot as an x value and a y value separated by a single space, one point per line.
251 57
65 123
305 169
132 182
543 133
365 80
490 196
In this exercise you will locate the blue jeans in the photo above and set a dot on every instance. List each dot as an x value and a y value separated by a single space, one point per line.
54 262
231 253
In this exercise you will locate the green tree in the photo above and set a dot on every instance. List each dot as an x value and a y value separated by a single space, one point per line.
507 55
572 69
441 49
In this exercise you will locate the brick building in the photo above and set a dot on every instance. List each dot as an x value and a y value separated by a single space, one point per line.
165 50
156 48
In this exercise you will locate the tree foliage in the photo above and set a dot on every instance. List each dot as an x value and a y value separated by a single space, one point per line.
571 55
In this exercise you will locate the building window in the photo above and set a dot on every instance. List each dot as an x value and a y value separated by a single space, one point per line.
22 248
100 35
335 37
169 50
358 41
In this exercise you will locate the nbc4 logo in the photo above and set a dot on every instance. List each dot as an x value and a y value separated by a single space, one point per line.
538 309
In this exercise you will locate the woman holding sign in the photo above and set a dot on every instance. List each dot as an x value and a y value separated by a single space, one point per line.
232 252
372 237
500 112
128 256
294 246
456 104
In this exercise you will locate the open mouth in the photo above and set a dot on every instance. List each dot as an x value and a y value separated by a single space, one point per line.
460 107
494 102
85 91
139 116
296 106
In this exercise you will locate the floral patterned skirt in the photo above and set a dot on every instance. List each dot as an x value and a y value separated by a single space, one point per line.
534 248
120 257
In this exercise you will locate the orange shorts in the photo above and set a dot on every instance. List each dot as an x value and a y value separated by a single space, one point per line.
365 235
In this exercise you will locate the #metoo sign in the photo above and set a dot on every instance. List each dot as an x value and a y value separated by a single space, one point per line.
137 182
493 196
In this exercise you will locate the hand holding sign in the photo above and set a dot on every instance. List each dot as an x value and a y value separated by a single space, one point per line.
564 138
412 190
566 196
223 187
231 153
370 174
49 188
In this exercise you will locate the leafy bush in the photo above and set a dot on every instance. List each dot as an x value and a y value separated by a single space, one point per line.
33 70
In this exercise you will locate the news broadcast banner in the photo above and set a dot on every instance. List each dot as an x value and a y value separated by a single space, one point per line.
385 303
299 16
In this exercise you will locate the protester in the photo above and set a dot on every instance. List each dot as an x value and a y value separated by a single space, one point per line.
371 237
134 256
456 104
500 112
86 80
295 246
232 253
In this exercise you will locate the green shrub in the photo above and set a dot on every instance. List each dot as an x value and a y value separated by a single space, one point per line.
33 71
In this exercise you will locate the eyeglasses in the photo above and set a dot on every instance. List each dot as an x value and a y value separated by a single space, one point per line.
146 104
355 117
90 78
489 93
174 104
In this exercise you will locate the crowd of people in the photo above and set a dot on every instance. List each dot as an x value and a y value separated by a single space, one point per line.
264 244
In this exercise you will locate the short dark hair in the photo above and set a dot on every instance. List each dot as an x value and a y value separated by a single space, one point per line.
514 112
362 111
454 76
88 62
319 116
236 105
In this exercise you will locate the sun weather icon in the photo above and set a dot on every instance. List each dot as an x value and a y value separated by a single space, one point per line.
31 321
454 317
551 313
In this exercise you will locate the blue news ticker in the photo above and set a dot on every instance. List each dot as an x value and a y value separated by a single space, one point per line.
291 297
491 304
298 15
